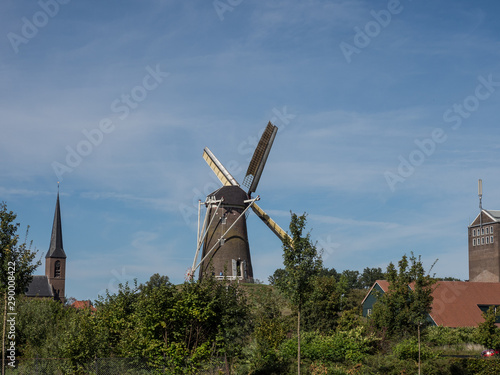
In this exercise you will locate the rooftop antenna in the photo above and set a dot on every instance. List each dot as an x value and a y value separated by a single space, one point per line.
480 194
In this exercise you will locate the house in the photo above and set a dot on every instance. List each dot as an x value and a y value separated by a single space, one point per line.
462 303
83 305
456 303
52 284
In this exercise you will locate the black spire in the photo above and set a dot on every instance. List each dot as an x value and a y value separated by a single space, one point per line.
56 243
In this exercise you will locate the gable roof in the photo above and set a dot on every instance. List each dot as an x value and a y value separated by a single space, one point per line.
488 216
383 284
40 287
456 303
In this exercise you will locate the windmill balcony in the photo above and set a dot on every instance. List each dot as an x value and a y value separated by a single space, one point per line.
230 278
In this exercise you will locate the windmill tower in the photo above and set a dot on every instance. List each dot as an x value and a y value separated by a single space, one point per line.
223 239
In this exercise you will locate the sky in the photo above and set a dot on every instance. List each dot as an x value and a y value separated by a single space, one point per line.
387 114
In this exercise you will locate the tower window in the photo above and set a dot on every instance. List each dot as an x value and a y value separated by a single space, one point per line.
482 240
473 242
487 230
473 232
487 239
491 239
491 230
57 269
482 230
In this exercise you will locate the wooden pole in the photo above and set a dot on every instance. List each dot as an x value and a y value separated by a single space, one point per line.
418 348
298 340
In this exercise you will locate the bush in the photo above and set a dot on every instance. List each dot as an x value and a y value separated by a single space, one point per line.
347 346
439 335
408 349
478 366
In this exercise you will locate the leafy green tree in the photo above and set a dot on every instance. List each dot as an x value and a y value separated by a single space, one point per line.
278 274
16 265
41 326
330 272
487 333
16 259
321 310
270 326
352 279
369 276
408 300
175 327
113 318
302 263
83 340
147 330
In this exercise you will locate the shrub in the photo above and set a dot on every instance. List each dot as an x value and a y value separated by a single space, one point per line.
408 349
439 335
345 346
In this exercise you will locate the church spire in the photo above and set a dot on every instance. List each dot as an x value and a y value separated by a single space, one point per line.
56 243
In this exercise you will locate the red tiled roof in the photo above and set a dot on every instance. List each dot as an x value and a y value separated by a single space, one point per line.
384 284
83 305
456 302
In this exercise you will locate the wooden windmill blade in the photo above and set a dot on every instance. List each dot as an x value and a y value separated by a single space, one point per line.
277 230
259 158
220 171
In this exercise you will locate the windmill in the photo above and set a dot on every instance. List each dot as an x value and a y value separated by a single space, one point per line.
223 238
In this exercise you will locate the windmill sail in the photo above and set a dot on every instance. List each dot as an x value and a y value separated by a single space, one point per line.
222 173
277 230
259 158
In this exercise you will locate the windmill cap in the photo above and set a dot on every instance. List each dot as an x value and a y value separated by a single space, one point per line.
232 195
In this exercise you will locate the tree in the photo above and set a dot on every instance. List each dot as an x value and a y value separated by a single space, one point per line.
16 265
302 263
179 328
352 278
41 326
406 305
113 318
487 333
330 272
322 308
16 259
369 276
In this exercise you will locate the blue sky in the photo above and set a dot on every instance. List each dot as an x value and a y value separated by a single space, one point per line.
388 116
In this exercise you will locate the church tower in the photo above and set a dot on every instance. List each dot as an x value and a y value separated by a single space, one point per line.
55 260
